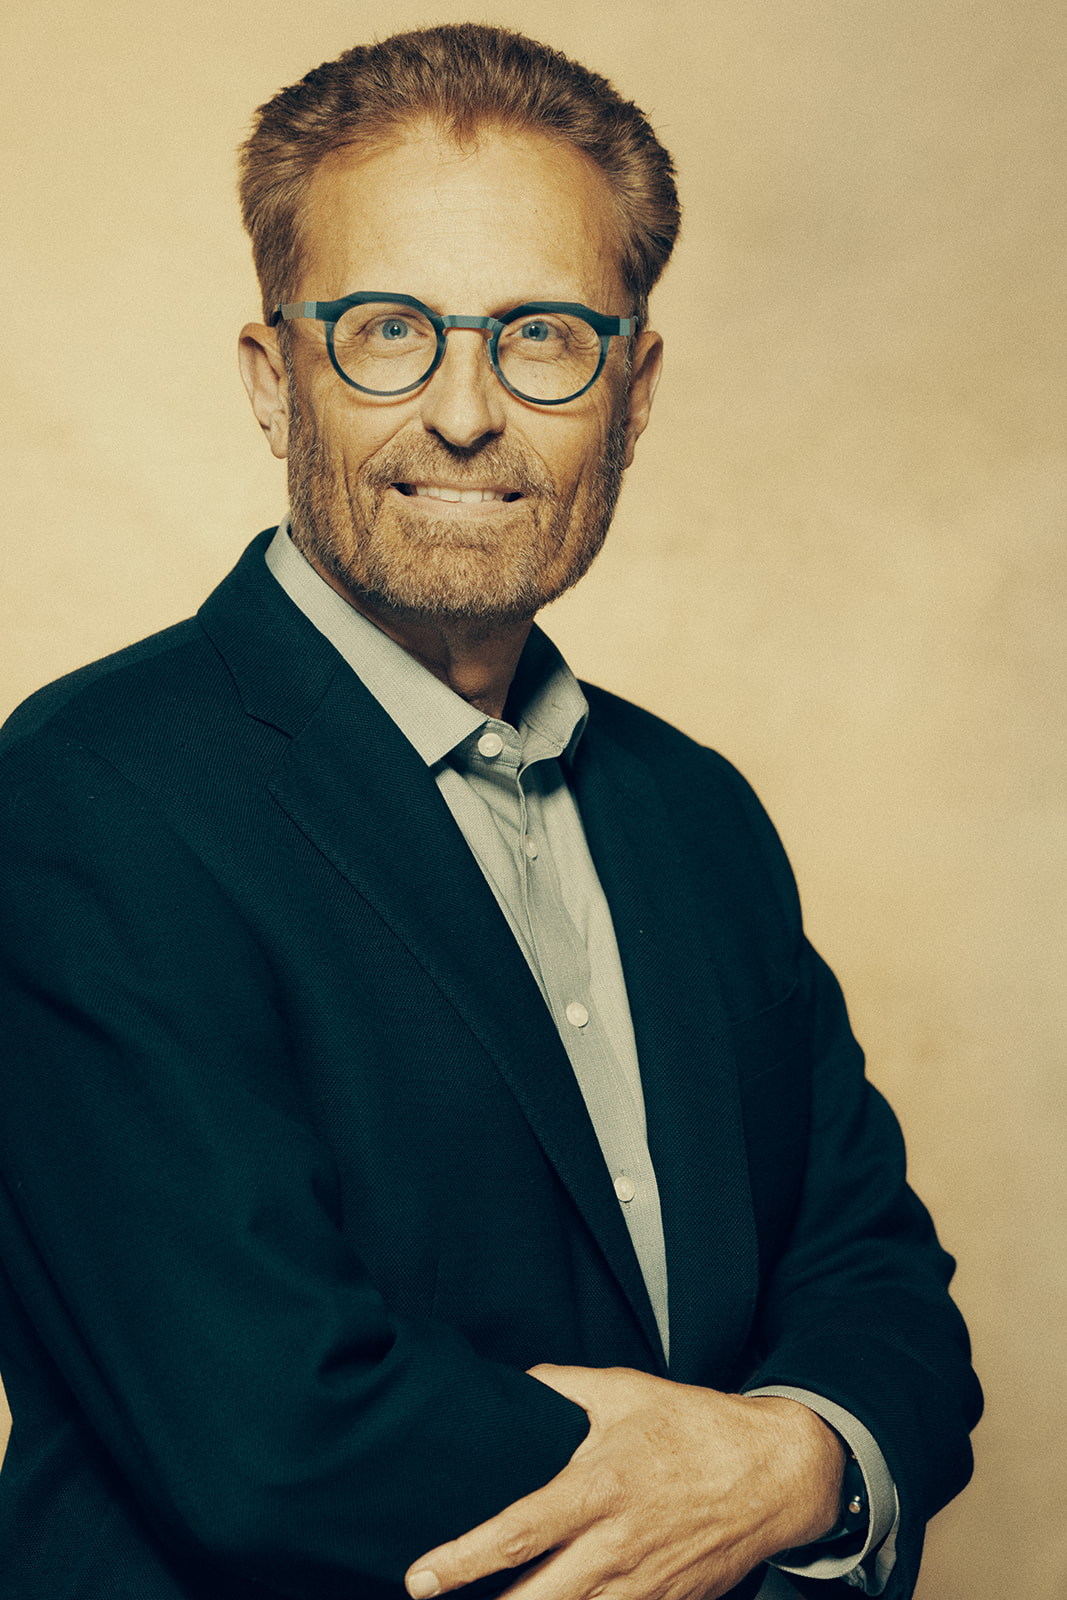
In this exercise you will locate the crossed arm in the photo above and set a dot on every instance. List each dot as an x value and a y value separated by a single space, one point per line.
675 1494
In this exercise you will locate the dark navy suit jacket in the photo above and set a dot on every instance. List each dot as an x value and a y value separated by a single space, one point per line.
296 1177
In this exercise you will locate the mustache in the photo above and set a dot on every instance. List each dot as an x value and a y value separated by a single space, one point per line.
497 462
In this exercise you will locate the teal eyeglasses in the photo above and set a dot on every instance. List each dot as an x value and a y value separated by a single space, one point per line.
546 352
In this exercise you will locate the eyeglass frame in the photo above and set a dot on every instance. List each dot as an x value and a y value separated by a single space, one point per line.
330 312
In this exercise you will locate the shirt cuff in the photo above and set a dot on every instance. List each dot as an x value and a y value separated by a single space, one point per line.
868 1569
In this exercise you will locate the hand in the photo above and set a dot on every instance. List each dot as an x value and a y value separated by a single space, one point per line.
675 1493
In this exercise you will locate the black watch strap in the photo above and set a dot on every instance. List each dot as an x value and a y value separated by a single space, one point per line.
855 1514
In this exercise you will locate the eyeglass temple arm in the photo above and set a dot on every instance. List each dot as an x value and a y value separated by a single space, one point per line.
299 308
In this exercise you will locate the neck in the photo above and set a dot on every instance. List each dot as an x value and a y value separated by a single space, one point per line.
475 658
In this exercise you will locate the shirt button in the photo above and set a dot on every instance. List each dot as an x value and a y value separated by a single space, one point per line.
624 1189
531 849
577 1015
490 745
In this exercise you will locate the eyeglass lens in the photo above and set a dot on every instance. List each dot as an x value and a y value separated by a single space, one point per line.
543 356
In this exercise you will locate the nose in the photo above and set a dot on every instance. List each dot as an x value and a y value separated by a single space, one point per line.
464 401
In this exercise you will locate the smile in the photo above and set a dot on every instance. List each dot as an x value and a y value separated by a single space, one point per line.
456 495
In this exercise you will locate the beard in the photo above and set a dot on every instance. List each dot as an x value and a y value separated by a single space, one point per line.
486 573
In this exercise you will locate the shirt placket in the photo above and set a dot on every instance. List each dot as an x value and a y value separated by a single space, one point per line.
559 960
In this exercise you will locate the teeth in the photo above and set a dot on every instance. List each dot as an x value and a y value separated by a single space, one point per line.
467 497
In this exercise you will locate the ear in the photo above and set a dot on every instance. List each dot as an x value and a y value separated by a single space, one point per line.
263 371
644 376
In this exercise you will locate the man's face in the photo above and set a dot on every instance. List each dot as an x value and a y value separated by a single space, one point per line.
474 231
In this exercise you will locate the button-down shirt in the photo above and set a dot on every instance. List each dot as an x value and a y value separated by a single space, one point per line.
505 785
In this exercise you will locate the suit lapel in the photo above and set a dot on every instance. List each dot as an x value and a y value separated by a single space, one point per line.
687 1063
358 790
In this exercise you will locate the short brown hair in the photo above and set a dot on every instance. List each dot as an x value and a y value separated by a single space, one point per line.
460 77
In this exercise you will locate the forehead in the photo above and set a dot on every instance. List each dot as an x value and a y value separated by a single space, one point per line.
473 229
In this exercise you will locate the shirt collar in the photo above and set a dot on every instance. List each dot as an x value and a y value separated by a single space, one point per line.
546 703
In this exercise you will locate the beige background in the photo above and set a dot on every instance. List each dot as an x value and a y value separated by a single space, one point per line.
839 557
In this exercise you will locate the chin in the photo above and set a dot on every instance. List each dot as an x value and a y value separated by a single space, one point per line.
450 585
442 573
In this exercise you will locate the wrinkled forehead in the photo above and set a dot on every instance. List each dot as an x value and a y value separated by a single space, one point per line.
517 213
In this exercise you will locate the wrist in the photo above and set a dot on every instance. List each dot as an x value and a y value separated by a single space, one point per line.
811 1459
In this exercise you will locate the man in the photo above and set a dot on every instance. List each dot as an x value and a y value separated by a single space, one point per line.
430 1147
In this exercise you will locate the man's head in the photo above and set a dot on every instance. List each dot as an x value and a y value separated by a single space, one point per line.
459 79
473 171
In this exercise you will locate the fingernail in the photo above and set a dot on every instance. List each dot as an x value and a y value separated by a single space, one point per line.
423 1585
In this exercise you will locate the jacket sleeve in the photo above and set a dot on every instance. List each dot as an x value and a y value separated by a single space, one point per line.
855 1305
170 1223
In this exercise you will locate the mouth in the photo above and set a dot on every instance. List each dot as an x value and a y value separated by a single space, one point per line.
455 494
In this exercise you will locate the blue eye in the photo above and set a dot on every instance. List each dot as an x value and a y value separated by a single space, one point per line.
536 331
395 328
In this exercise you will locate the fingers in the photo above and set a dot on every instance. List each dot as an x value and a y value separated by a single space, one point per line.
532 1526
